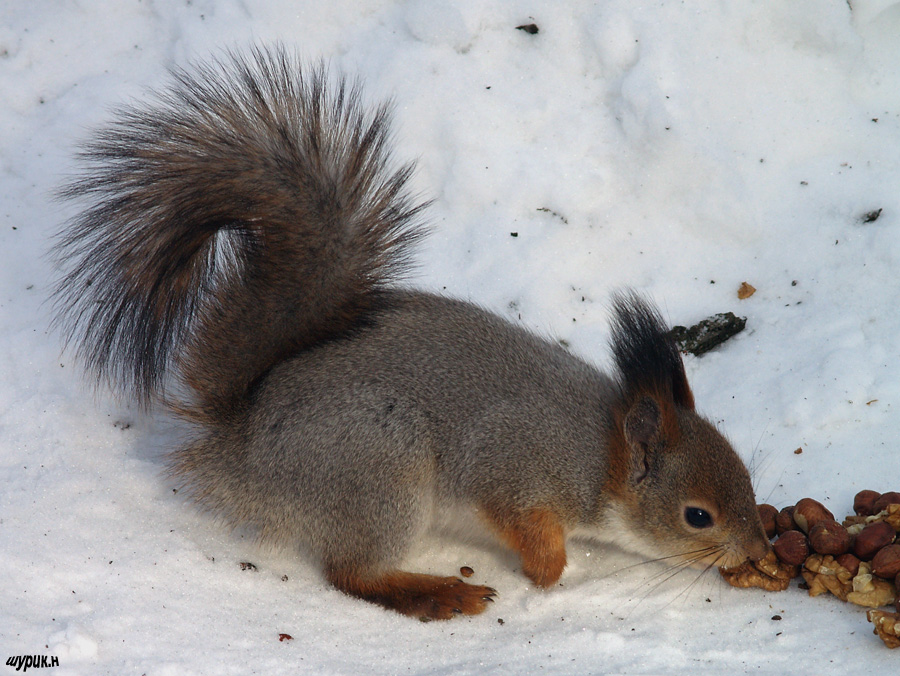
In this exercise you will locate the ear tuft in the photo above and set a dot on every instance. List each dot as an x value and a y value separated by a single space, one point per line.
646 356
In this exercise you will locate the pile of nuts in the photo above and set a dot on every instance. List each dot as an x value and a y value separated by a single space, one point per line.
857 560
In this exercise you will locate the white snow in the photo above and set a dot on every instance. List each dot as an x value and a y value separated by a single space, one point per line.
678 147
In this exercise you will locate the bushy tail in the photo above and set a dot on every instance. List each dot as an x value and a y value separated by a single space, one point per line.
247 213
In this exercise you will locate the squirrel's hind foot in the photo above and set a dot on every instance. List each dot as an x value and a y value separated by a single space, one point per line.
428 597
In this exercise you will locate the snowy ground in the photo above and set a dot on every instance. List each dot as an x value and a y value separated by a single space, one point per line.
679 147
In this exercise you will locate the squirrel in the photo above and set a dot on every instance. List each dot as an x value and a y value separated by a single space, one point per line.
237 260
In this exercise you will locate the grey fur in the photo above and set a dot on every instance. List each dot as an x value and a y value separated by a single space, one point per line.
437 403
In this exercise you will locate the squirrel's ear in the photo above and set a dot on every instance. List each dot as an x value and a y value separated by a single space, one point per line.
642 430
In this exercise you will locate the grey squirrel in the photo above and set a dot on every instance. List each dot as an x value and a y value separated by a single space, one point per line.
237 260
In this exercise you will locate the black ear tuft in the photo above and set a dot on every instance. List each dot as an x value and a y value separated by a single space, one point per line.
646 357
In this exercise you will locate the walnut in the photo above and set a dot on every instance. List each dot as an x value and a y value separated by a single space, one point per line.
823 574
768 573
854 522
871 591
887 626
892 516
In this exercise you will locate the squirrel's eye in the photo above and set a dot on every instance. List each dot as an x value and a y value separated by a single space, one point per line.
698 518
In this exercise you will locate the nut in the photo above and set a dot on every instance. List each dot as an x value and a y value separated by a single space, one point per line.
771 566
466 571
785 520
792 548
886 562
897 587
887 626
823 574
848 561
870 591
829 537
891 498
808 512
864 502
872 538
767 514
854 521
892 516
768 573
745 290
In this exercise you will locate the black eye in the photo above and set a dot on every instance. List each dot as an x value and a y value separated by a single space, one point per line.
698 518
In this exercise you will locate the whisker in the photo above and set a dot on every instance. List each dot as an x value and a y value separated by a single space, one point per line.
701 552
684 563
700 575
759 462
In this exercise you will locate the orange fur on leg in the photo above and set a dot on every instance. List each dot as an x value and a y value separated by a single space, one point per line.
424 596
540 540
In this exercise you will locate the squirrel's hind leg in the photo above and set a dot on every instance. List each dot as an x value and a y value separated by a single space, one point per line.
428 597
362 562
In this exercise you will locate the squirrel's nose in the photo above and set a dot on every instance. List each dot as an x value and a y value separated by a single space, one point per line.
758 548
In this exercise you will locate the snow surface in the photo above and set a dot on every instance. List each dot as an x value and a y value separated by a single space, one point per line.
678 147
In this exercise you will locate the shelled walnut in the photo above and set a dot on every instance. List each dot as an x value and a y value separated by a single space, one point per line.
871 591
823 574
768 573
887 626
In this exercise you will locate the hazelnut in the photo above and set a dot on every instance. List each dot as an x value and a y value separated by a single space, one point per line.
864 502
848 561
892 498
829 537
785 520
886 562
791 548
872 538
808 512
897 587
767 514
